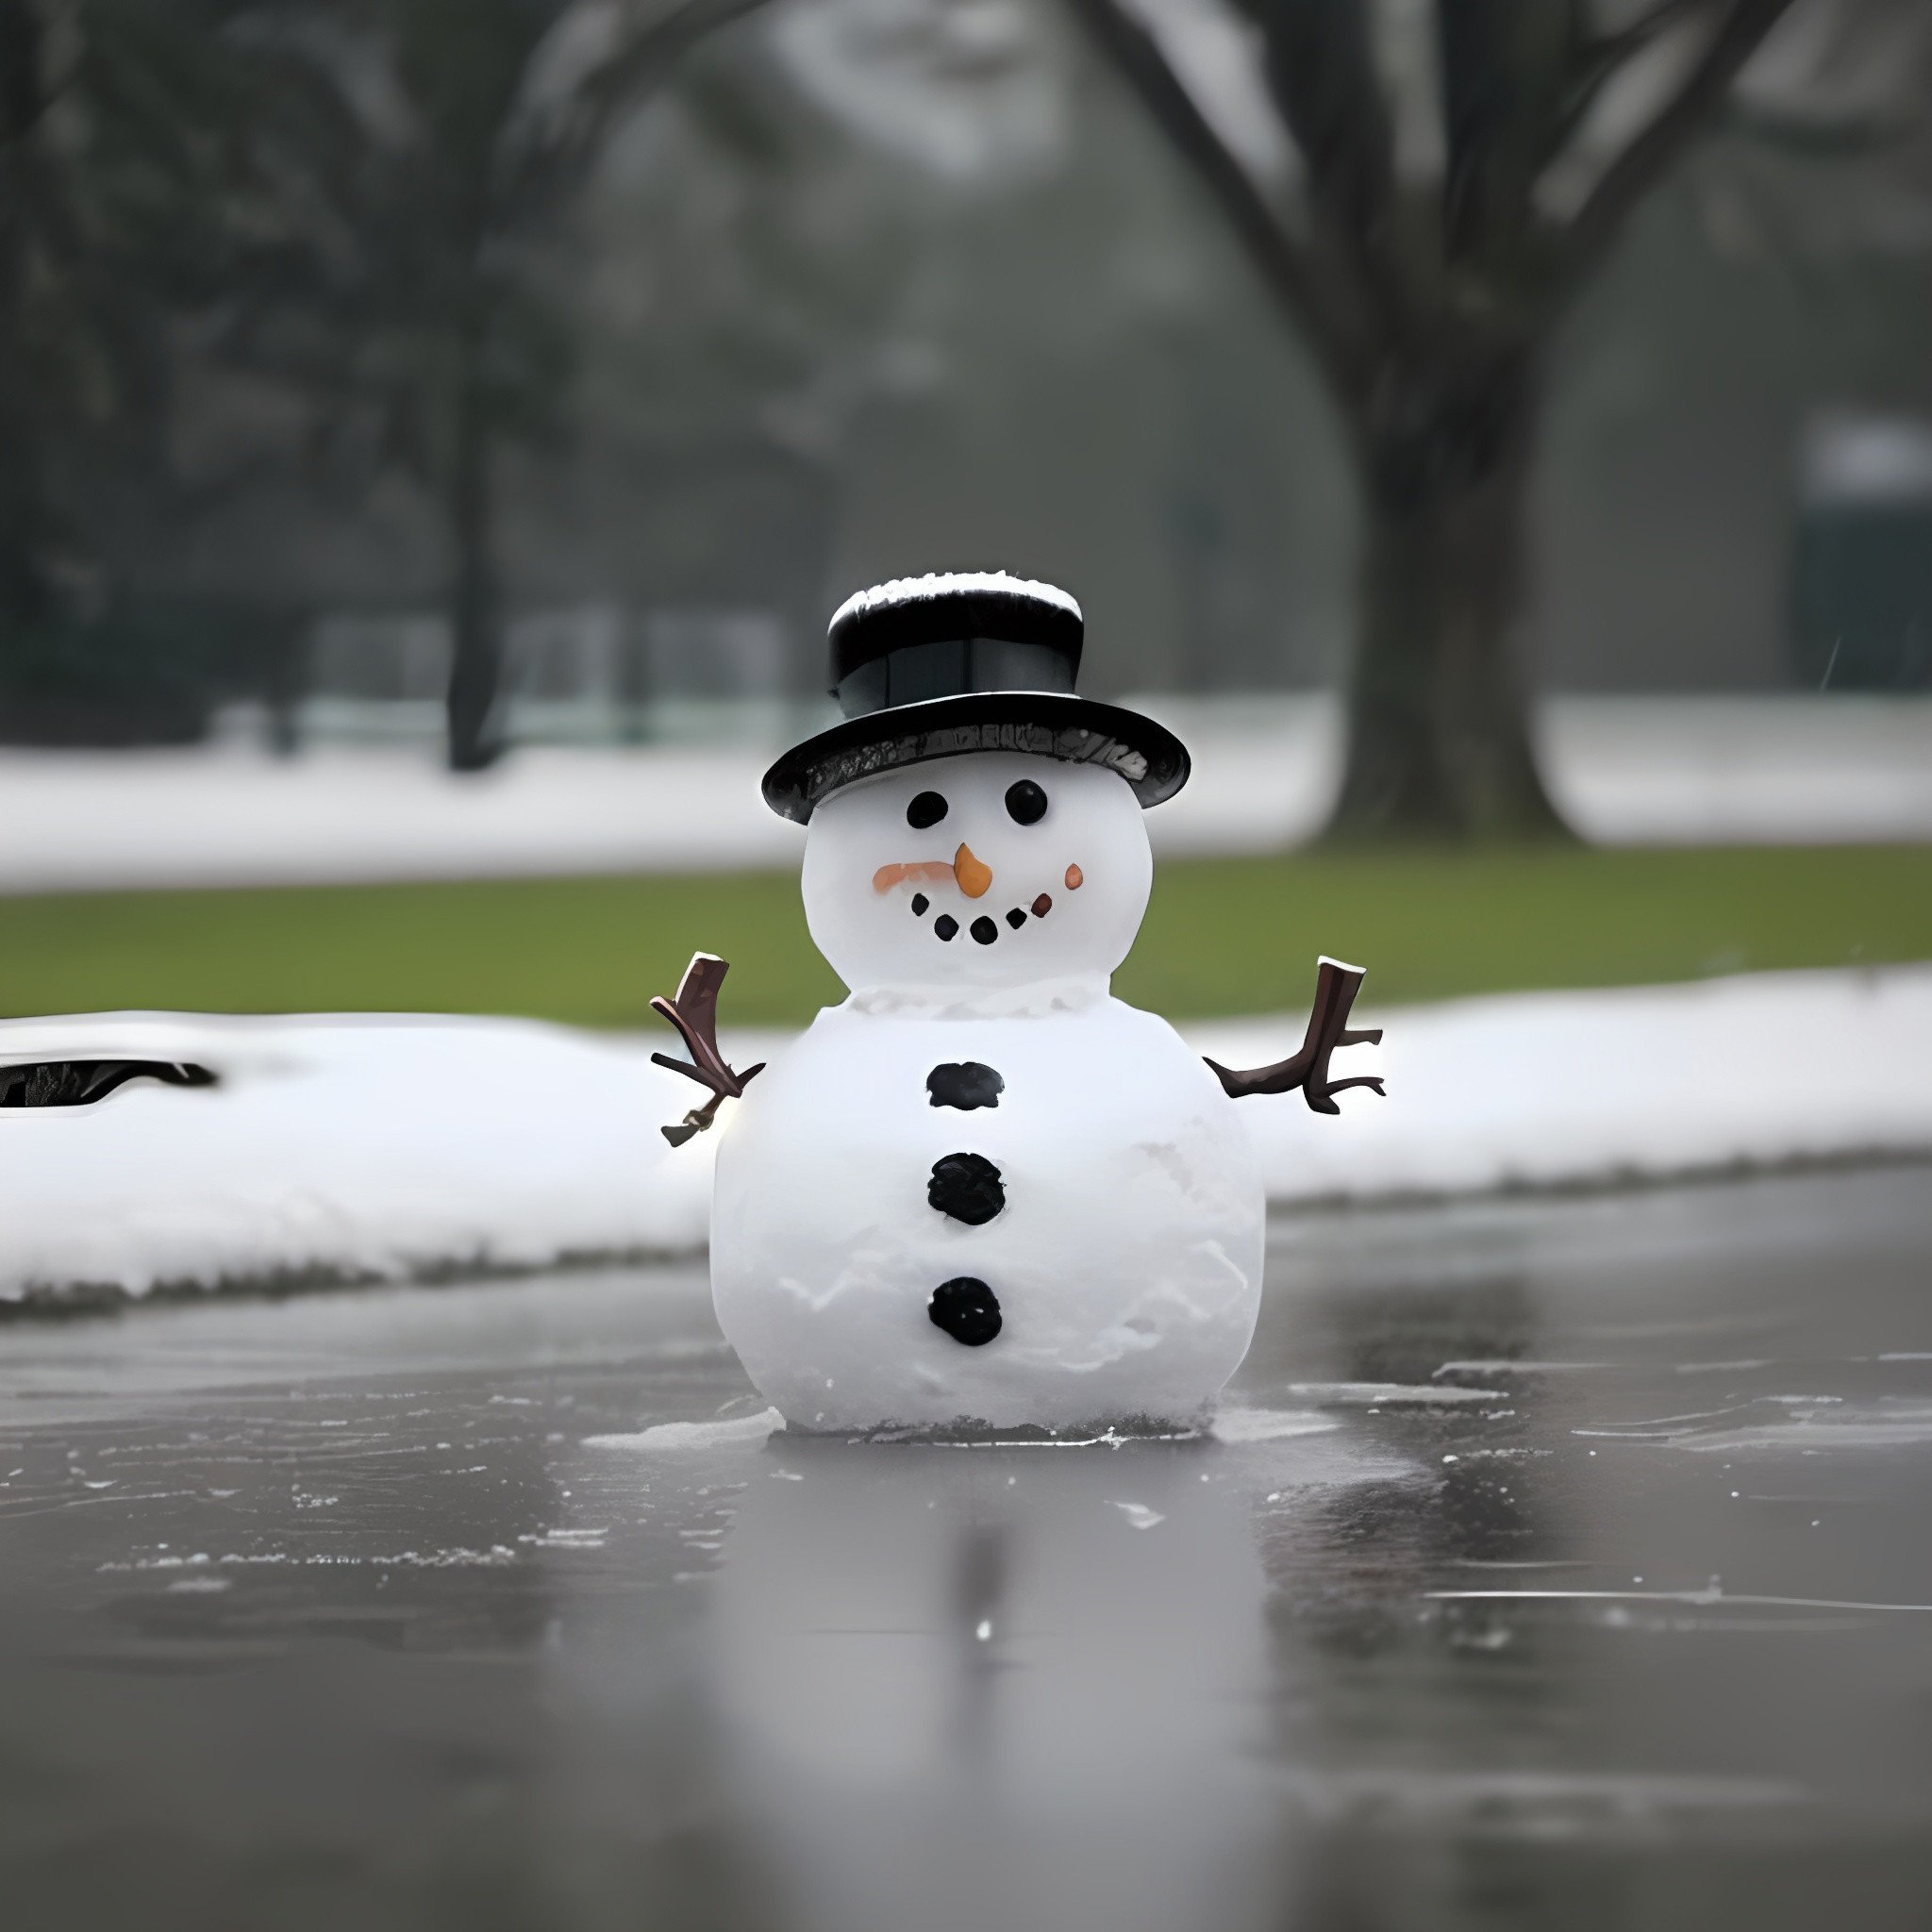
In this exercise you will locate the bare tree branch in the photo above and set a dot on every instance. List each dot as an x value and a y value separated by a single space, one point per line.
1503 66
1280 259
1607 54
1648 159
1321 70
548 147
1608 50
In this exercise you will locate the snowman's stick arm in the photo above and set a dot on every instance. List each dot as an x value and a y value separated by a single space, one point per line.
694 1013
1336 986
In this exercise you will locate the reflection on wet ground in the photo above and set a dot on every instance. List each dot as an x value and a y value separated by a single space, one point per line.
1559 1564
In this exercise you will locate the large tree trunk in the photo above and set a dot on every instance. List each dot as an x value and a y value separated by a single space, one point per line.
1438 710
476 613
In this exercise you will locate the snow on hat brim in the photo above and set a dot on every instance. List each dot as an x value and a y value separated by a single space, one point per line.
1149 757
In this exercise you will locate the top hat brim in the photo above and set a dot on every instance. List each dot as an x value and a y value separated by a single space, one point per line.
1057 725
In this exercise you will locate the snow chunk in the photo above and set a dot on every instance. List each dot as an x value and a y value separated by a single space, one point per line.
1270 1424
719 1432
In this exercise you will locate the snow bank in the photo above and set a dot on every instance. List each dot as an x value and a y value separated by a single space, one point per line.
386 1148
1627 769
337 1147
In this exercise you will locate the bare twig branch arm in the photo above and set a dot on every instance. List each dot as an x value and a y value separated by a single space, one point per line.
694 1013
1649 157
1137 56
1336 987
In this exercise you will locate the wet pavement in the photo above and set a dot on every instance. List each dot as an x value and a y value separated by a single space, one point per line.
1560 1564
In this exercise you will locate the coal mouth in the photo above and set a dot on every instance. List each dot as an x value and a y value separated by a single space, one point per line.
984 930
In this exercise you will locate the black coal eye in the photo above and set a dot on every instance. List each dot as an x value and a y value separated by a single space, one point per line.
1025 802
929 808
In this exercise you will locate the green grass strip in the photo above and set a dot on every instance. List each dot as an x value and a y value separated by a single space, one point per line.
1223 936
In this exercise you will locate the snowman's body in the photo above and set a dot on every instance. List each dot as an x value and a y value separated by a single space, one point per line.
1125 1257
981 1127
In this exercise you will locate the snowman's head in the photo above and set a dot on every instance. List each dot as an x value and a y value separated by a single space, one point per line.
988 869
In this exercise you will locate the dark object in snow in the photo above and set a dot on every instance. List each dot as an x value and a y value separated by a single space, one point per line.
920 902
967 1309
1336 987
1017 917
927 808
1042 906
694 1013
984 931
964 1084
945 926
1025 803
930 667
80 1083
966 1187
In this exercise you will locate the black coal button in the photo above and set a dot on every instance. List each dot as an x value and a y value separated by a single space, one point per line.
967 1188
967 1309
984 930
945 926
964 1084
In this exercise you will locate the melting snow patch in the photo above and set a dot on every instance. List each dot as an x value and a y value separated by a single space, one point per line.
1269 1424
1897 1425
1389 1394
721 1432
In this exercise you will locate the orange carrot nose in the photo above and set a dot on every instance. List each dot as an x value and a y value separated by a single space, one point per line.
973 878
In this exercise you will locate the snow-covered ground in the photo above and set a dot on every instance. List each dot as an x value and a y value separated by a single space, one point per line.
1643 771
393 1147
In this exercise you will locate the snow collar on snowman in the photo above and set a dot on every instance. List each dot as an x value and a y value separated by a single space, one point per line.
970 660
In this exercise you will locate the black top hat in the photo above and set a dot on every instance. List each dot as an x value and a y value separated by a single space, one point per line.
928 667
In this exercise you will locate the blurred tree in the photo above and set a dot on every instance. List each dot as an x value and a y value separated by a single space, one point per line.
1463 171
421 156
743 315
121 152
117 151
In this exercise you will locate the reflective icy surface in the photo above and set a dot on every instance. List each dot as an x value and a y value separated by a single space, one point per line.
1565 1564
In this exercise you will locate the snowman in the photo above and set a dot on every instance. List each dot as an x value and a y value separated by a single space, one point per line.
982 1193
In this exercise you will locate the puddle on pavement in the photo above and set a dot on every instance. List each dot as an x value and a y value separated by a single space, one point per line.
1557 1564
